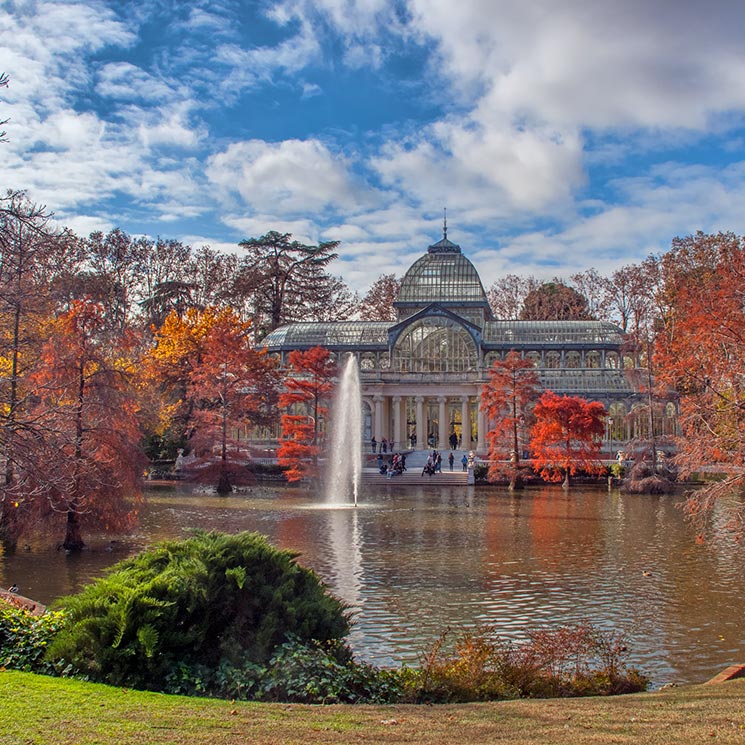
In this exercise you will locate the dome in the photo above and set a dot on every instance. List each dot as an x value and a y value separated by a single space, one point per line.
443 275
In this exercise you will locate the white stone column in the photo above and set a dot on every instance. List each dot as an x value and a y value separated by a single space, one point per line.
480 428
378 418
465 420
421 435
442 432
398 435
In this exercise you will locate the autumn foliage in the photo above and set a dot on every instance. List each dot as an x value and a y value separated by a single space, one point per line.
701 353
231 385
513 384
91 431
566 436
307 390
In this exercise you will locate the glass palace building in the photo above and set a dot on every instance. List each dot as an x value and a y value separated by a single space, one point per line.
422 374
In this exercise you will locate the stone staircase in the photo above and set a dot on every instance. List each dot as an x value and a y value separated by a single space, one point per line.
415 461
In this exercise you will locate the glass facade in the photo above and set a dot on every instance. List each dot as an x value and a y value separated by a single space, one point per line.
433 346
422 374
441 277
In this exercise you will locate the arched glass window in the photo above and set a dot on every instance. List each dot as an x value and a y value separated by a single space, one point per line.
534 357
572 360
433 345
592 359
671 419
617 412
367 361
553 360
611 360
385 361
491 358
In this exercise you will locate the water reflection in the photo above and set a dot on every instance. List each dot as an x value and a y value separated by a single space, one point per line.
411 562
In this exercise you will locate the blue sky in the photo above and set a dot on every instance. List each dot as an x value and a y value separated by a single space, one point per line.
560 135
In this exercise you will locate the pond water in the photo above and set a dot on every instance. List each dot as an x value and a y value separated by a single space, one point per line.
412 561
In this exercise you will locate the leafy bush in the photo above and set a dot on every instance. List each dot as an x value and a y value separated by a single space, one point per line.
326 673
643 478
226 681
177 615
24 638
578 660
481 471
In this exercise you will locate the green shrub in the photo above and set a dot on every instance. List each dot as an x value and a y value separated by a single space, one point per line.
226 681
24 638
617 470
323 674
481 471
178 614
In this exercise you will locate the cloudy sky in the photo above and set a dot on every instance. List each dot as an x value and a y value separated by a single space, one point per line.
559 134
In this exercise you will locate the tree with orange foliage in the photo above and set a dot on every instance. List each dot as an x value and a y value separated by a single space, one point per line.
701 354
513 384
566 437
232 384
32 252
92 463
177 353
303 400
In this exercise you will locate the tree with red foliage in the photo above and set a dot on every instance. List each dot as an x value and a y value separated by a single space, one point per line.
92 462
566 437
701 354
513 384
303 400
231 384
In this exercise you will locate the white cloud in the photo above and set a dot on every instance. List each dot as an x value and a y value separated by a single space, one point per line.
304 231
247 67
125 81
310 90
287 178
84 225
632 64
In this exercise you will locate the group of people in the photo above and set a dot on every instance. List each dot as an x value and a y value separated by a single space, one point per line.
384 447
396 465
434 462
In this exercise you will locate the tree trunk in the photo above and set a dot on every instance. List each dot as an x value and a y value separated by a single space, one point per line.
73 537
73 542
8 526
223 483
8 512
516 481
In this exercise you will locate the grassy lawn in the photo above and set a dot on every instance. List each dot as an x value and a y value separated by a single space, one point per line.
52 711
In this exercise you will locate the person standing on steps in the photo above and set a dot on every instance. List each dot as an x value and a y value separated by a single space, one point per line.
451 460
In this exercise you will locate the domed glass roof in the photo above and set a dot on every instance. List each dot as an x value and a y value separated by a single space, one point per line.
442 275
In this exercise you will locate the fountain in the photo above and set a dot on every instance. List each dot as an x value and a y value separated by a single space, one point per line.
345 453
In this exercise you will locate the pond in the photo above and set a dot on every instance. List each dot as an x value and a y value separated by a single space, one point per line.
412 561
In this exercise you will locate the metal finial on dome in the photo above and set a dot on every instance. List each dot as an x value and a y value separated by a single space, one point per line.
445 223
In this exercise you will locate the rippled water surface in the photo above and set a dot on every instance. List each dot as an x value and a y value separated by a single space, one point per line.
413 561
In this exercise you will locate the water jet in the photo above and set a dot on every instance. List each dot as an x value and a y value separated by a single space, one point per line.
345 453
